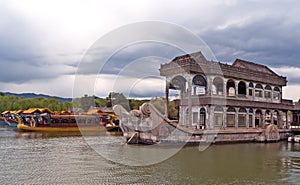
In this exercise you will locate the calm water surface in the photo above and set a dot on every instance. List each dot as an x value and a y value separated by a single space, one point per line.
31 158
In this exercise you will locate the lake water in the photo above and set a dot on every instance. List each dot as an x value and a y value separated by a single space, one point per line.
31 158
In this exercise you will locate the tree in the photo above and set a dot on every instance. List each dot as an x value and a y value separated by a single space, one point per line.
173 108
100 102
67 106
135 104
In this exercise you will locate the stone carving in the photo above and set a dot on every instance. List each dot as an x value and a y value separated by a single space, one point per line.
272 133
143 124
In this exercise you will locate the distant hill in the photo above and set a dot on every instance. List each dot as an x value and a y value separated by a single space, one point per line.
33 95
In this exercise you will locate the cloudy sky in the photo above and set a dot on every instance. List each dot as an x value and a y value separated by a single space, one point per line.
42 43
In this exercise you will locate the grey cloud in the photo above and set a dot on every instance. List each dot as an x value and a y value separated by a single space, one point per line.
18 38
23 71
270 39
130 54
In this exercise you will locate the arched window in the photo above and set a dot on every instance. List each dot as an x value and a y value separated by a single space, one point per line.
268 87
242 110
268 117
178 83
250 110
242 88
258 118
202 121
268 90
199 85
259 86
218 117
276 93
230 88
230 117
276 89
251 86
242 117
199 80
218 86
231 109
258 90
219 109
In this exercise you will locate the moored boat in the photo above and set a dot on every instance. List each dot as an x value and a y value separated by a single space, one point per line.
60 123
111 122
2 121
108 119
295 138
11 122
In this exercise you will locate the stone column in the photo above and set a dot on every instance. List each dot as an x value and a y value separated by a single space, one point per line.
211 120
272 116
272 95
263 120
225 118
247 90
236 117
253 118
287 119
208 86
247 118
167 100
224 88
207 117
280 119
236 88
189 103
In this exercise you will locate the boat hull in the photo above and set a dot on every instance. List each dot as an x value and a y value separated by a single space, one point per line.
2 121
26 128
113 128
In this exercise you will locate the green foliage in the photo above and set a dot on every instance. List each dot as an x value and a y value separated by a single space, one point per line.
135 104
1 94
100 102
18 103
159 104
173 108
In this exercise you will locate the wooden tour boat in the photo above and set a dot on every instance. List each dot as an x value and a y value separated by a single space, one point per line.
60 123
2 121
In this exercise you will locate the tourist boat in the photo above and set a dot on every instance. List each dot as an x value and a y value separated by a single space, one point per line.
108 119
111 122
12 122
2 121
295 138
60 123
113 128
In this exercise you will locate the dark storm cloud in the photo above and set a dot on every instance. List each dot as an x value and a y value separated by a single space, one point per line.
271 37
24 71
22 56
18 38
131 54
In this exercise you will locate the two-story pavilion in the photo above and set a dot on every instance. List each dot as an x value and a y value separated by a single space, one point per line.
217 95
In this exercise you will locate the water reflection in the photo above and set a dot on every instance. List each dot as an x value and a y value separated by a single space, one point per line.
39 158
